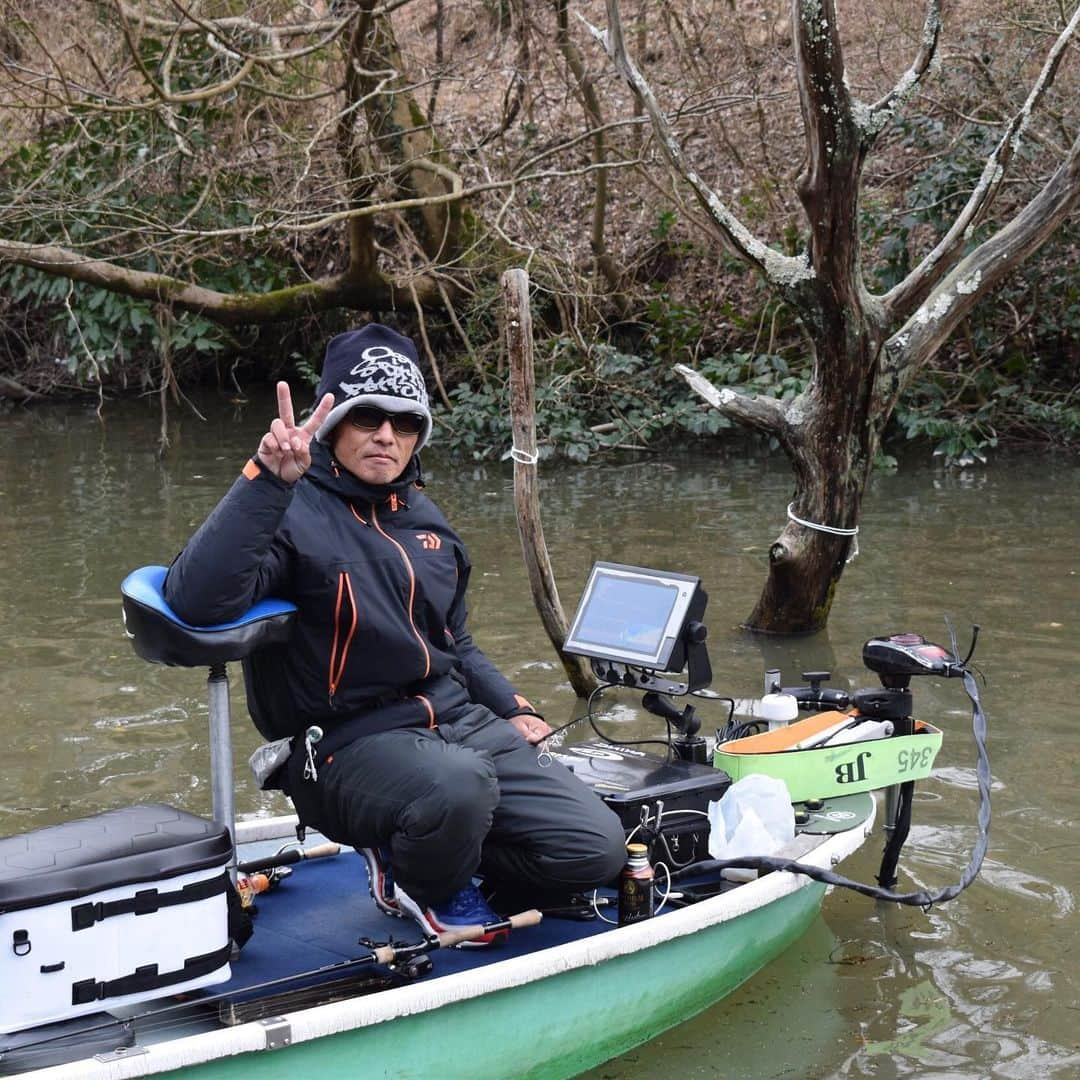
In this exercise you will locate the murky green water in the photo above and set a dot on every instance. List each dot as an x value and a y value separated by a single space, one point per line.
986 986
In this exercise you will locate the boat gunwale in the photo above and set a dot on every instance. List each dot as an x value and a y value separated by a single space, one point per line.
319 1021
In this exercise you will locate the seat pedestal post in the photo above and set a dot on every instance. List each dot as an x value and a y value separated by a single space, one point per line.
221 757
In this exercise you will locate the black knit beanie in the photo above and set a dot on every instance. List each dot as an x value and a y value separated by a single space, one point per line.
373 366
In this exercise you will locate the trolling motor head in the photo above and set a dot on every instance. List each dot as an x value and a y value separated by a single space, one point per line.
895 659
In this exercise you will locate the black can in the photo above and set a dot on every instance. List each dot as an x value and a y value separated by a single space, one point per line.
636 893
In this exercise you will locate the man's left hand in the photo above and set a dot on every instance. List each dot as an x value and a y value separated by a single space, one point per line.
533 729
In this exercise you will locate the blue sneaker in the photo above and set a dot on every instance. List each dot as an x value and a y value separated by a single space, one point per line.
381 879
465 908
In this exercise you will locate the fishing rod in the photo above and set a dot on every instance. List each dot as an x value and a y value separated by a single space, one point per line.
395 955
287 856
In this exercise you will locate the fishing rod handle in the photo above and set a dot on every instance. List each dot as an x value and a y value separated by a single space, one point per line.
449 938
532 917
289 856
320 851
387 954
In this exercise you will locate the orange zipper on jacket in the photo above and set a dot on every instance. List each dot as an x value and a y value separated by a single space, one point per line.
430 711
412 588
337 663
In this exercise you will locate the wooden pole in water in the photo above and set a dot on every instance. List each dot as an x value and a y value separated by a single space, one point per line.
519 349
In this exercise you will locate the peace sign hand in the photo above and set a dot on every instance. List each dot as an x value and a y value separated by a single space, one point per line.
286 449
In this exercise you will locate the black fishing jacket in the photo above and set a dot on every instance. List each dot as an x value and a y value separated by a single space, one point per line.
378 578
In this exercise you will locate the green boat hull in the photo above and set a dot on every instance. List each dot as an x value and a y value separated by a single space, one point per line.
557 1026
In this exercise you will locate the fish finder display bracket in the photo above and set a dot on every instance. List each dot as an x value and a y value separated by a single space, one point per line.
634 623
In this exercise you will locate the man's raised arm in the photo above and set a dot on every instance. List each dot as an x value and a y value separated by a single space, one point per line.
232 560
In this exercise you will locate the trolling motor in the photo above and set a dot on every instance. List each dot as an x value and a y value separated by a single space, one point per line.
895 660
892 753
896 751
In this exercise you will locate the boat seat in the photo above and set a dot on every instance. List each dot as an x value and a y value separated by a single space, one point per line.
162 637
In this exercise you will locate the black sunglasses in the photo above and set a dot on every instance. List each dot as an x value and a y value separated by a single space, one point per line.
368 418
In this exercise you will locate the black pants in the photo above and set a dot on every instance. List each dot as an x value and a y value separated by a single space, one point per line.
468 795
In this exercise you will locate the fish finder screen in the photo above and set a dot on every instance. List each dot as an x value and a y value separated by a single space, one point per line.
630 614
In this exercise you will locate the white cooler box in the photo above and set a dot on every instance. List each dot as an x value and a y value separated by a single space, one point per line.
111 910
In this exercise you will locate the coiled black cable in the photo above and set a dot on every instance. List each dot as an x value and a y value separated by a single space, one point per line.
666 743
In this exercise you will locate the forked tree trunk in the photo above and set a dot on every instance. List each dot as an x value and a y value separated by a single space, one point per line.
866 348
831 440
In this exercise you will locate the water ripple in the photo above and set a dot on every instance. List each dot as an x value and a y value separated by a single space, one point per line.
165 714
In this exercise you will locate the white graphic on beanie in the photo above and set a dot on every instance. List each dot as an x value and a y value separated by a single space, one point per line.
380 352
386 372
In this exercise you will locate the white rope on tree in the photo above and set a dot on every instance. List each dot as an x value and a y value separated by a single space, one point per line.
522 457
832 530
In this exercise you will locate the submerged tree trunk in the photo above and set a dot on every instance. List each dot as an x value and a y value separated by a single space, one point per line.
805 563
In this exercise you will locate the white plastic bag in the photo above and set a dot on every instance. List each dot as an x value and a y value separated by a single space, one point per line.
754 817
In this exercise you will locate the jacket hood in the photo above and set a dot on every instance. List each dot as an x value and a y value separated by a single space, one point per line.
329 473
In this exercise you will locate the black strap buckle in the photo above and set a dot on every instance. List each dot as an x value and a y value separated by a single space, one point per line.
146 902
83 916
86 990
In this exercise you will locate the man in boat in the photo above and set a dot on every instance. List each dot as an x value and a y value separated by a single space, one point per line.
407 742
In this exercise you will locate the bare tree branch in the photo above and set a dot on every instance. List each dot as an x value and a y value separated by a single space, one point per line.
903 298
765 414
978 274
785 272
213 29
828 186
11 388
203 94
873 120
290 222
227 309
220 26
591 104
